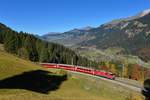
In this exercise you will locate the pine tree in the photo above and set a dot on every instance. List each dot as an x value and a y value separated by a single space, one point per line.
11 43
44 55
31 49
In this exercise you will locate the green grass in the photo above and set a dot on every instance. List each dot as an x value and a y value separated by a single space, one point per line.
77 87
113 50
92 54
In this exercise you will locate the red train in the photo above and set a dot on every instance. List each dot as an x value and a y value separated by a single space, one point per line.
80 69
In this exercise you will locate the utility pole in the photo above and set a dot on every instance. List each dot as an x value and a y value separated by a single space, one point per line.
90 64
72 60
122 70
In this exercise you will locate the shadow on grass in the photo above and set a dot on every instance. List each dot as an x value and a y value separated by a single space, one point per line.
37 81
146 90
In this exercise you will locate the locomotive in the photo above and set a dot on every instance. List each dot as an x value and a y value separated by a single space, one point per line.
80 69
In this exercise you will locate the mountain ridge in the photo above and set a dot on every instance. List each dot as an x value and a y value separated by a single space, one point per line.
131 33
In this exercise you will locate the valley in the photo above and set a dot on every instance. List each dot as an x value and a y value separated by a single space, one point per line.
130 34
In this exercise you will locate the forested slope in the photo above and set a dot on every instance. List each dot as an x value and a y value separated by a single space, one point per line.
30 47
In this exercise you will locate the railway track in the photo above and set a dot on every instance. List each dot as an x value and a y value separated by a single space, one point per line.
116 81
137 88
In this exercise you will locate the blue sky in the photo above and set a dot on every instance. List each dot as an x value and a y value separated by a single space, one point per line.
42 16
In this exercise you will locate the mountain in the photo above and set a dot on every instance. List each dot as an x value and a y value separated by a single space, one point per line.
69 38
132 34
139 15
